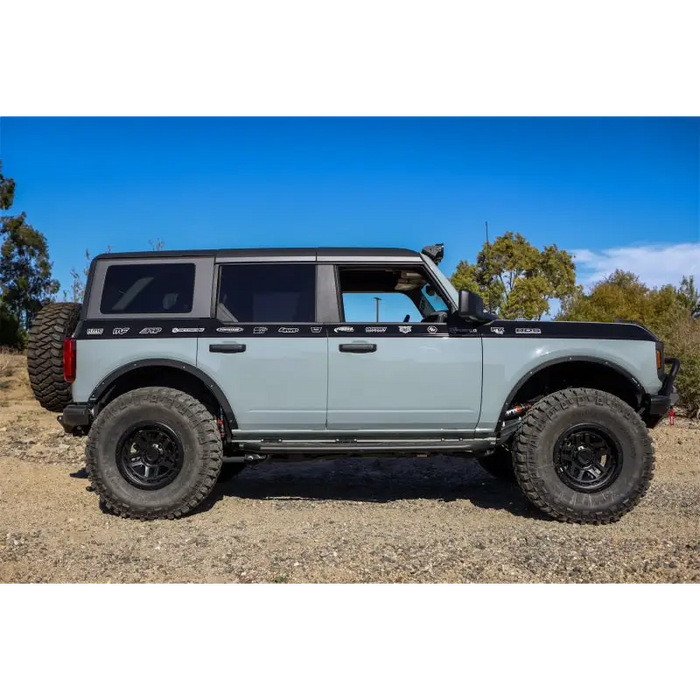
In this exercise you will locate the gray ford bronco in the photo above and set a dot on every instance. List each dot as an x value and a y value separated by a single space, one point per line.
182 367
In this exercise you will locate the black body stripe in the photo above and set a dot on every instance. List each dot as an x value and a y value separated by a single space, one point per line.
132 328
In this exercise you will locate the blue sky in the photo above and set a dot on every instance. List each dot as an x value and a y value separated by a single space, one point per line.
621 192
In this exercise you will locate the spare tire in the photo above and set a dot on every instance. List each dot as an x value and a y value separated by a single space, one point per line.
53 324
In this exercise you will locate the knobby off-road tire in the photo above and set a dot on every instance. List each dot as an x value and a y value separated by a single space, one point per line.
576 412
52 325
191 428
499 464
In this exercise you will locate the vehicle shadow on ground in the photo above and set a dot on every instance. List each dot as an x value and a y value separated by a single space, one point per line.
375 481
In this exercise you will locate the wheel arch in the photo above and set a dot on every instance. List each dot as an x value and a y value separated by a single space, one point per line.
608 376
162 372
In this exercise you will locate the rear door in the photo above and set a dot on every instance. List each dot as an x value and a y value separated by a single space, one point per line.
394 363
269 355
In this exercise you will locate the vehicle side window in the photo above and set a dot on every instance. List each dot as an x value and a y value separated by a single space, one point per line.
389 294
267 293
148 289
361 307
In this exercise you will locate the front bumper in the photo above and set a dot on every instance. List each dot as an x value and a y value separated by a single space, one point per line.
658 406
76 419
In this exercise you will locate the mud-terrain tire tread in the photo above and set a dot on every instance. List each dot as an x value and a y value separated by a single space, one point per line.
532 426
52 325
204 427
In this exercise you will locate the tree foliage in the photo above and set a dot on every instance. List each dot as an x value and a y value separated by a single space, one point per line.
516 279
683 342
11 334
670 312
25 269
623 297
690 296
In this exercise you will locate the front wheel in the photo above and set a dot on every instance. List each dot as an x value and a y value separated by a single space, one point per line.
154 452
583 456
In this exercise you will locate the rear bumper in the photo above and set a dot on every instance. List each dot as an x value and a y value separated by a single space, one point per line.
658 406
76 419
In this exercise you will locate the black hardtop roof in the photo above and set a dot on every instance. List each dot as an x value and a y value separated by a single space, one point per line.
268 252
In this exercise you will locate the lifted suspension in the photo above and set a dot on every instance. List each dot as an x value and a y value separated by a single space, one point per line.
519 410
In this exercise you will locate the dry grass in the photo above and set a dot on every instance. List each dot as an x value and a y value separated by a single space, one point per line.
13 375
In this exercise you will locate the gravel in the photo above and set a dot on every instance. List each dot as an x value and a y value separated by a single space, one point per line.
346 520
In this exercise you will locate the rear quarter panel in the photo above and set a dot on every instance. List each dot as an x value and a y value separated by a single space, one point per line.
98 358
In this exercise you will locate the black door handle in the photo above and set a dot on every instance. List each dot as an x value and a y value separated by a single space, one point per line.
358 347
227 347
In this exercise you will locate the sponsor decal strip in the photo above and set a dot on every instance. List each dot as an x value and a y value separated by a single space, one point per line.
150 328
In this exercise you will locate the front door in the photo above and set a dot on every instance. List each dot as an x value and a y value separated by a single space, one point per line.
392 363
269 355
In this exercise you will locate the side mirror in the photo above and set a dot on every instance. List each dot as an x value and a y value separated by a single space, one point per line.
471 307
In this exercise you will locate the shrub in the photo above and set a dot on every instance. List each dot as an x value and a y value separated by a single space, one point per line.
12 335
683 342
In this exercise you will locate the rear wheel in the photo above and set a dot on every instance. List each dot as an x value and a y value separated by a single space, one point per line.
584 456
154 452
53 324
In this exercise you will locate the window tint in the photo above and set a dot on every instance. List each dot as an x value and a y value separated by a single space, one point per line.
261 293
148 289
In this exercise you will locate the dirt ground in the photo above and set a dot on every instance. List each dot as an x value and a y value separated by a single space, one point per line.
347 520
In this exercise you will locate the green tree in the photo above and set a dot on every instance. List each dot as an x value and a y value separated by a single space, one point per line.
690 296
623 297
11 335
667 311
516 279
25 269
683 342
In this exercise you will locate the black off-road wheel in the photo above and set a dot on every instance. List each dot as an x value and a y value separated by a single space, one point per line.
52 325
583 456
154 453
499 464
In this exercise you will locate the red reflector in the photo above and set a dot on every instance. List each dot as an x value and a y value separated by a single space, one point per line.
69 359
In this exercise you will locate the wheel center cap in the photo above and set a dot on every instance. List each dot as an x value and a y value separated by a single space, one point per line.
584 456
153 454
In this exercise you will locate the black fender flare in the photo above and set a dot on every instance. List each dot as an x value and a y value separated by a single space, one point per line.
108 382
565 360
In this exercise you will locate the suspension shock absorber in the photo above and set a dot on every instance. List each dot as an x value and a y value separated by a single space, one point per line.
518 410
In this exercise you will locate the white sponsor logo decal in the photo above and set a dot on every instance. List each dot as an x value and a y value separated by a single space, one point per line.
188 330
150 331
432 329
528 331
259 330
95 331
229 329
344 329
120 331
316 329
286 329
498 331
375 329
405 329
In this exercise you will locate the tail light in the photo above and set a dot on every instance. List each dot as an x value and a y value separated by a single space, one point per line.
660 360
69 364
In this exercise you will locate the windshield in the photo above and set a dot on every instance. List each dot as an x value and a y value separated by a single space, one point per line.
444 281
